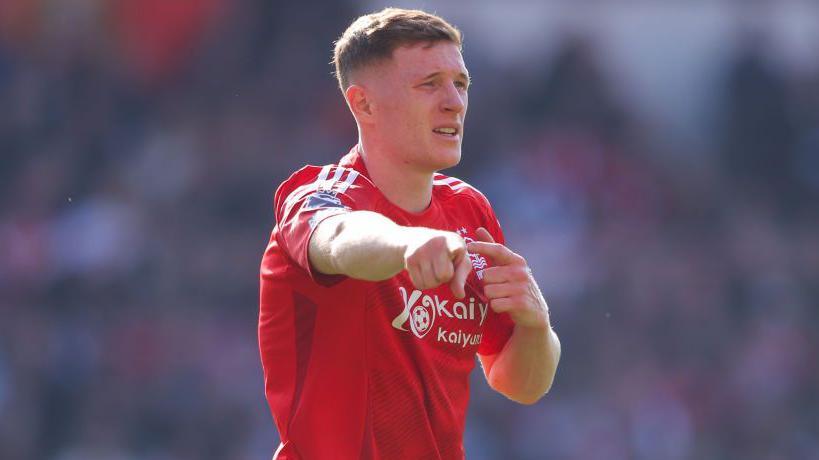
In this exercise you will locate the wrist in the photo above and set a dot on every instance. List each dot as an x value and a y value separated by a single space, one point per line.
540 324
403 237
536 327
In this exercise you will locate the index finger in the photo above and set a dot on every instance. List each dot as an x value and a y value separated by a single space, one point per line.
463 267
500 254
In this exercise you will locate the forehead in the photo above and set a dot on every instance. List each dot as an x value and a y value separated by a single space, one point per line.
423 59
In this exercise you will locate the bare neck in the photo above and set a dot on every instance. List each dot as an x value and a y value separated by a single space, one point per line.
403 186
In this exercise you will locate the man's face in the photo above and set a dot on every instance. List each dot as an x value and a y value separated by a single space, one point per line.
420 101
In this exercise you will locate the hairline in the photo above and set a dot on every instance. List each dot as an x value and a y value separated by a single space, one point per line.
426 44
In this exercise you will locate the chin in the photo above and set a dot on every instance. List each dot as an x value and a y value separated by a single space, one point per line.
447 158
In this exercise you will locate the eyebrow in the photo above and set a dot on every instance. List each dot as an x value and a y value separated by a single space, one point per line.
460 74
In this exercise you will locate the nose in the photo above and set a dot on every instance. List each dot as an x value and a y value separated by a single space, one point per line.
453 99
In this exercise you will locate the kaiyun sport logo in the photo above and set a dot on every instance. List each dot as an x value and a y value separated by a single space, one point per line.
421 316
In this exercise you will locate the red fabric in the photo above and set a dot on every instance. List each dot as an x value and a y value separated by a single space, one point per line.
357 369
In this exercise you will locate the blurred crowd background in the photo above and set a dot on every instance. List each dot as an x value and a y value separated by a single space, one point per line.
657 164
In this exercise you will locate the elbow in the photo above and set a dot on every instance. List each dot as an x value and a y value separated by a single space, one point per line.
524 396
527 383
526 399
531 398
534 396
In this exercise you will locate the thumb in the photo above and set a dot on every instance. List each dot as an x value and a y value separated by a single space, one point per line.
484 235
462 268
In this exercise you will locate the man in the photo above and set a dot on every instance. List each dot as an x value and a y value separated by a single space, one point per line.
383 278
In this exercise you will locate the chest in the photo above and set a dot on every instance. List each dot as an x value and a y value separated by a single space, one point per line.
434 320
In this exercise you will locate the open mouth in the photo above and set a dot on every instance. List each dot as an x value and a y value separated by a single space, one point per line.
448 132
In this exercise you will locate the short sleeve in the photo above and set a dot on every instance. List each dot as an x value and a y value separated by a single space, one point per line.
493 225
496 333
498 327
307 198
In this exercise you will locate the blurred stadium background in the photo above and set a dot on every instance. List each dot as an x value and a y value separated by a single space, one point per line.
657 162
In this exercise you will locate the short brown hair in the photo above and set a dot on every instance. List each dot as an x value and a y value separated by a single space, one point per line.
375 36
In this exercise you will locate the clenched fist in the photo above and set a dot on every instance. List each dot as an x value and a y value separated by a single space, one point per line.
435 257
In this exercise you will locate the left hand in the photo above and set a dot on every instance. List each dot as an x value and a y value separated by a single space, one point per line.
509 283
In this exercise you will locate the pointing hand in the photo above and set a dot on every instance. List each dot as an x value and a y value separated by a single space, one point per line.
509 283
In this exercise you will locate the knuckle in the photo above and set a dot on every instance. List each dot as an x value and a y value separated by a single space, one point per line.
498 305
491 275
437 241
420 253
411 266
413 258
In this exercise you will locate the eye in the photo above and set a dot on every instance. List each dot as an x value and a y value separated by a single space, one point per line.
461 84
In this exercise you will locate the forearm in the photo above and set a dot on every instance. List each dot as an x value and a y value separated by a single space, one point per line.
525 369
361 244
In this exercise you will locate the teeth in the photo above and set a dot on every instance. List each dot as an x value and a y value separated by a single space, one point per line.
445 130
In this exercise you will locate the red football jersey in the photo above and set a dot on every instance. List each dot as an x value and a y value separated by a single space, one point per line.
359 369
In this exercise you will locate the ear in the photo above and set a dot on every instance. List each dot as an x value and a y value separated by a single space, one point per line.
360 103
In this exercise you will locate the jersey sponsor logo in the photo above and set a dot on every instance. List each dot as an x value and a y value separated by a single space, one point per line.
421 310
421 315
458 337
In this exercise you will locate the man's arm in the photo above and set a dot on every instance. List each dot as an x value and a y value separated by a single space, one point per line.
369 246
524 370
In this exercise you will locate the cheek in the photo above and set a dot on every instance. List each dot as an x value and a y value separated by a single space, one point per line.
405 116
391 110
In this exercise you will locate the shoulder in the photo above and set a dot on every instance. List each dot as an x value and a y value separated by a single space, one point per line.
327 178
467 204
447 187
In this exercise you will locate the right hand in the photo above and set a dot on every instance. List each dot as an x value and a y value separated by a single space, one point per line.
434 257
